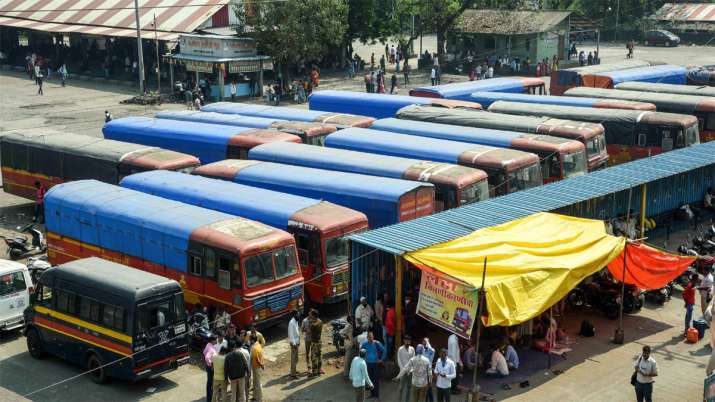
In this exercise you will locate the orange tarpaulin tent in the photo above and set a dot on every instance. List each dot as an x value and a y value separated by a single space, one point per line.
647 267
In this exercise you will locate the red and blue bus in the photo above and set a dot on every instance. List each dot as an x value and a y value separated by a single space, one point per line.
320 228
560 158
383 200
309 133
462 90
378 106
701 106
630 134
487 98
508 170
591 135
563 79
664 74
208 142
289 113
454 185
246 267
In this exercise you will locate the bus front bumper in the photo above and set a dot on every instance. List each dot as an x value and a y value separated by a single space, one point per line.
337 298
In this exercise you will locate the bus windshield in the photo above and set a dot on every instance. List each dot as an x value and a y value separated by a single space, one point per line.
596 145
474 192
574 164
524 178
259 268
336 251
159 313
692 135
286 263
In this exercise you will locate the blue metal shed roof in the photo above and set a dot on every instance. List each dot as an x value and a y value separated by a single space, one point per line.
208 142
393 144
448 225
362 103
487 98
666 74
462 90
472 135
333 159
270 207
272 112
216 118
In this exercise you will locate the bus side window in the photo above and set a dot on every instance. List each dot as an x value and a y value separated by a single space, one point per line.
44 295
89 309
667 140
242 153
236 276
701 123
66 302
195 268
113 317
224 272
641 139
210 271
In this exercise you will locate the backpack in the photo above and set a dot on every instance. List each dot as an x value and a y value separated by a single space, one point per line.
587 329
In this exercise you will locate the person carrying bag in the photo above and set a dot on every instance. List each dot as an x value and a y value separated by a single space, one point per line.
643 376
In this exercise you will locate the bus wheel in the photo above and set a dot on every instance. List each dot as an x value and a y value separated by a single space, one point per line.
96 371
34 344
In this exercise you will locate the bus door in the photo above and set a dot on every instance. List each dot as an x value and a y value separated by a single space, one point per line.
193 282
311 262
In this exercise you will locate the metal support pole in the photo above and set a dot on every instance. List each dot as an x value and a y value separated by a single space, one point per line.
158 69
398 299
221 83
140 51
644 193
618 15
480 294
171 76
619 335
598 43
260 80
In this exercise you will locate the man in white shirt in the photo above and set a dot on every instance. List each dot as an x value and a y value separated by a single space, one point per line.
498 366
420 368
646 369
706 284
363 314
456 357
445 372
433 75
233 89
404 354
294 340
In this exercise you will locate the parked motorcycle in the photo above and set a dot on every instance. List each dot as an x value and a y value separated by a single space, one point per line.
658 296
593 294
199 331
20 245
703 246
36 266
338 340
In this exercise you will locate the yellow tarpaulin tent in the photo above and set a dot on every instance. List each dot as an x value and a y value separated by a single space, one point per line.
532 262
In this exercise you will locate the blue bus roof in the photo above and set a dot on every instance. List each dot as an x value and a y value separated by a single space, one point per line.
271 112
462 90
388 143
216 118
471 135
487 98
363 103
664 74
208 142
124 220
333 159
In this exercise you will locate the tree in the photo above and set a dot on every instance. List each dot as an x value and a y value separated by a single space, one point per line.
294 31
439 16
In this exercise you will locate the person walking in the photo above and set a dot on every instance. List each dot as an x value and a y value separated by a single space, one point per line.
63 74
257 367
374 356
219 383
429 354
433 75
233 90
406 71
390 328
294 340
236 369
445 371
420 369
382 63
39 84
646 369
704 287
393 84
316 357
243 348
359 376
404 354
40 191
350 348
107 116
589 59
209 353
305 329
689 299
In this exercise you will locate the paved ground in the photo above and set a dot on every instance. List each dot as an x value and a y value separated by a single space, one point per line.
596 370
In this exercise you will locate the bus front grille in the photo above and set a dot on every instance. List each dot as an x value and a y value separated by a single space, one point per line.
277 301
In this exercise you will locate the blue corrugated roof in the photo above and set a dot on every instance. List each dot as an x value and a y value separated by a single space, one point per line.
270 207
472 135
216 118
462 90
409 146
333 159
362 103
487 98
278 112
427 231
666 74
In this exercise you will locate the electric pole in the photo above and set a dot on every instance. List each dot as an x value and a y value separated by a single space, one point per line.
140 53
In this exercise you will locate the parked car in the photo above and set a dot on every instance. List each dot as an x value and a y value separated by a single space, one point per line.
661 37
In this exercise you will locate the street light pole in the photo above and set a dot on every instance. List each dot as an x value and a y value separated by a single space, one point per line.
140 53
618 337
618 14
156 46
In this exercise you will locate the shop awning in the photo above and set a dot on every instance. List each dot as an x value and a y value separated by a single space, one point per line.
533 262
647 267
109 17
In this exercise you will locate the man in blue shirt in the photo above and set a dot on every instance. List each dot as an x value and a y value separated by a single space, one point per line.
359 376
374 355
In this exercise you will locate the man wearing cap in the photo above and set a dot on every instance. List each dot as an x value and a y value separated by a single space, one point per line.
359 376
363 314
421 369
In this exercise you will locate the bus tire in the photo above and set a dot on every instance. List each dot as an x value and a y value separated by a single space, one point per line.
34 344
96 372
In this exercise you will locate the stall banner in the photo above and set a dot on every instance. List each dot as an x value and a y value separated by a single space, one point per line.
447 303
200 66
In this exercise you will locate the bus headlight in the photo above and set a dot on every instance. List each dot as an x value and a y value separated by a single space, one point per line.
300 302
256 317
335 289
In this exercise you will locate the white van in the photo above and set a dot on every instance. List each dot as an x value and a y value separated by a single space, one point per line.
15 288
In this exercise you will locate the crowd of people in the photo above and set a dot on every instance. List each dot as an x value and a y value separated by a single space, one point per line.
38 69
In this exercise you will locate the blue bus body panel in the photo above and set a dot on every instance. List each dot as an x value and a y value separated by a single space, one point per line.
664 74
216 118
487 98
266 206
376 197
394 144
471 135
463 90
127 221
367 104
208 142
271 112
333 159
